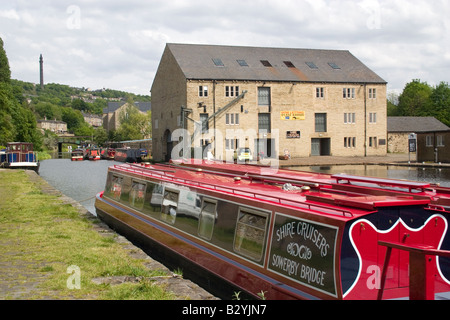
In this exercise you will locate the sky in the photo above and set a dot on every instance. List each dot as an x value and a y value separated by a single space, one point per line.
117 44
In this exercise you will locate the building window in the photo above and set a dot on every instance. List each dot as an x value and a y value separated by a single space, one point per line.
321 122
289 64
311 65
373 117
350 118
242 63
264 122
204 122
334 65
320 93
231 144
264 96
232 119
203 91
440 141
231 91
350 142
429 141
372 93
348 93
218 62
373 142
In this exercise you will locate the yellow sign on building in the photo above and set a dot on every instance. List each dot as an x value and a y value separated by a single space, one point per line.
292 115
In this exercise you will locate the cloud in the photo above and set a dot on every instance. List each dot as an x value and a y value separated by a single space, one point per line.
118 44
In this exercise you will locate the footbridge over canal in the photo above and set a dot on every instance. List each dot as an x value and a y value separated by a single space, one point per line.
78 140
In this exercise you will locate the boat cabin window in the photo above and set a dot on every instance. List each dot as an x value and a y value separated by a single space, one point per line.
115 189
207 219
154 198
137 194
169 206
250 233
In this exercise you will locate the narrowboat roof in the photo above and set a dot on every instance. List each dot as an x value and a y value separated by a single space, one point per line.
321 194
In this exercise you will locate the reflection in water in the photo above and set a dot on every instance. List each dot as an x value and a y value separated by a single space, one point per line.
431 175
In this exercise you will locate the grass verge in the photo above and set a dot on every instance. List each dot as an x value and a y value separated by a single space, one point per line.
43 238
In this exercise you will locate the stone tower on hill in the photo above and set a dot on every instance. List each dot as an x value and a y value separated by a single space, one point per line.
41 64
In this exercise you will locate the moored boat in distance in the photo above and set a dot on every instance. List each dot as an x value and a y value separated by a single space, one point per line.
130 155
288 234
107 153
77 155
19 155
93 154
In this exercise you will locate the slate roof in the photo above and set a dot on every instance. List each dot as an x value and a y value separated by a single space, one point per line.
245 63
113 106
415 124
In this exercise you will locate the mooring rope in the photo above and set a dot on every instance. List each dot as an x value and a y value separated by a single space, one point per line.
87 199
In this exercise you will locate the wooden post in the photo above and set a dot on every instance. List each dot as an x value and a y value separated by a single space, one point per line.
421 278
421 271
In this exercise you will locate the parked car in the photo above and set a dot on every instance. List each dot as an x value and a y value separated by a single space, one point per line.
243 154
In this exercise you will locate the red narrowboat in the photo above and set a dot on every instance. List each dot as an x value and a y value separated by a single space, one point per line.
93 154
77 155
288 234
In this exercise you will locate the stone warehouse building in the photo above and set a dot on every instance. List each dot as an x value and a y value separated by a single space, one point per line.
300 102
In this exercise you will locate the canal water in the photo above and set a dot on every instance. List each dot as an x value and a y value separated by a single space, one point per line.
79 180
82 180
423 174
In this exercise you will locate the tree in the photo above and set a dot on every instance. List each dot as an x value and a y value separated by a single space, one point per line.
100 136
73 118
17 122
80 105
415 99
5 72
7 130
84 129
440 99
133 124
48 111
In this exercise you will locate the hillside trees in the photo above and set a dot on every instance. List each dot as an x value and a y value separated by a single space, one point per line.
17 121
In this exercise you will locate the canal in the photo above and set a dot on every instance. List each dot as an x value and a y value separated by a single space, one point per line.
423 174
82 180
79 180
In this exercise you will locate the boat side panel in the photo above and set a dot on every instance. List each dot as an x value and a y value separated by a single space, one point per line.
172 206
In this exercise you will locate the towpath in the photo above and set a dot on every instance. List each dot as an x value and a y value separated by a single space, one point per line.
19 281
